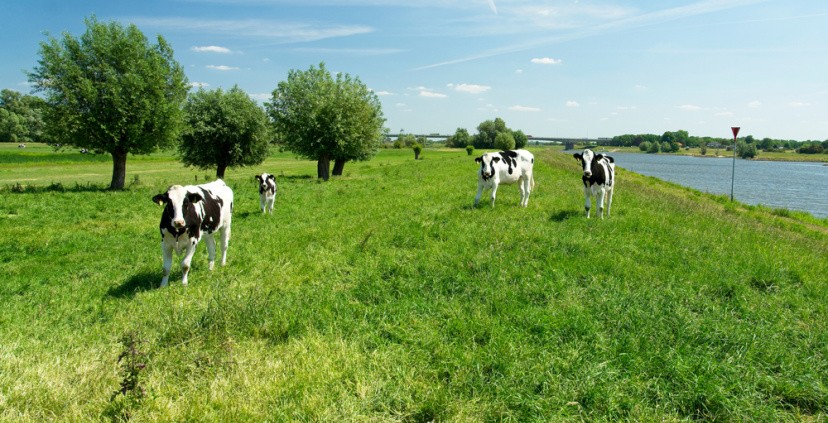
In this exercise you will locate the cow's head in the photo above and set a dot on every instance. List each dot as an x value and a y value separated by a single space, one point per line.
585 157
177 201
263 181
487 162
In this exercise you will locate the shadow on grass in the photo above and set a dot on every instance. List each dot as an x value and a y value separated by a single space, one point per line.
19 188
141 282
561 215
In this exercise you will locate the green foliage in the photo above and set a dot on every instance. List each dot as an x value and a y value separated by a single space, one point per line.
111 90
644 146
654 147
520 139
460 139
745 150
407 140
322 118
21 117
469 150
504 141
812 148
417 150
223 129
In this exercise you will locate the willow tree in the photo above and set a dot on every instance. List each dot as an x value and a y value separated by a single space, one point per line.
323 118
112 90
224 129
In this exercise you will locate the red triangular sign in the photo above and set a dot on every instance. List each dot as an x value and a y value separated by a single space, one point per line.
735 130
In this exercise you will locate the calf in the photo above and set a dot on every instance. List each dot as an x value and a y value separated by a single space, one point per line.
598 178
506 167
267 191
190 212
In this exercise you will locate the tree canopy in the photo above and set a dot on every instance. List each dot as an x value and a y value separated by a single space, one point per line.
495 134
111 90
224 129
323 118
21 117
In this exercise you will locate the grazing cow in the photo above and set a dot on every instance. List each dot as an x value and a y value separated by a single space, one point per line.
190 212
506 167
21 145
267 191
598 178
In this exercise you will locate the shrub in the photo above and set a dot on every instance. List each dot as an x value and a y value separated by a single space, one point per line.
469 149
417 149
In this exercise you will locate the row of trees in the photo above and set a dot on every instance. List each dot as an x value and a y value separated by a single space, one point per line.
490 134
684 139
112 90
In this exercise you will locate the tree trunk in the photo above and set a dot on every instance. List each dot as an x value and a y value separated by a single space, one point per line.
323 167
220 171
339 165
119 158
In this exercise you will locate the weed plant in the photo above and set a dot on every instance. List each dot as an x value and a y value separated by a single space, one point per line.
383 295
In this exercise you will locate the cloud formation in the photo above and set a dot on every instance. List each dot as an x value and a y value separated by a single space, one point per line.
211 49
277 31
469 88
572 103
546 61
222 68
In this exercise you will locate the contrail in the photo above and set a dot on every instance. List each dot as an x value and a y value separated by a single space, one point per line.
492 6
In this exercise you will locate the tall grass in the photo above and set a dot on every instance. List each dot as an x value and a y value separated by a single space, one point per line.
383 295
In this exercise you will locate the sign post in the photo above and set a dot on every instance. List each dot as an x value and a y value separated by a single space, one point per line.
735 130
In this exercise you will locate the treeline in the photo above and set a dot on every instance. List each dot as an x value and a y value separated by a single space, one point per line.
679 139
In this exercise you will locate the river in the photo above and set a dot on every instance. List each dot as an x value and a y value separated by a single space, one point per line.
788 185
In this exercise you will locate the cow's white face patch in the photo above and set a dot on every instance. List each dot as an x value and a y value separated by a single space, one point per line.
487 162
177 197
586 159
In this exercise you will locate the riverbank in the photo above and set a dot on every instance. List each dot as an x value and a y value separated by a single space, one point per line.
785 156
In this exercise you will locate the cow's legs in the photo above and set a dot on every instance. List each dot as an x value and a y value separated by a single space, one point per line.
262 203
494 193
587 193
599 201
188 259
270 202
525 190
609 200
479 194
167 253
210 240
225 241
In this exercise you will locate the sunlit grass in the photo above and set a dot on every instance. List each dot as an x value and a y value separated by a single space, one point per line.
384 296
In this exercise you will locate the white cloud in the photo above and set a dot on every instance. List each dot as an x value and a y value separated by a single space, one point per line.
259 28
726 114
524 109
211 49
546 61
222 68
571 103
754 104
518 71
199 84
689 107
469 88
492 6
640 87
432 94
383 93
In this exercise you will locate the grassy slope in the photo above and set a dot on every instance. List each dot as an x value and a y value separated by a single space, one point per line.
384 296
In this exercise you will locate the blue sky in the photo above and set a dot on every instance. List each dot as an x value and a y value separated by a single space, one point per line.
563 68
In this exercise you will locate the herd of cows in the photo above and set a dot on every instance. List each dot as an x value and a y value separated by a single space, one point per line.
195 211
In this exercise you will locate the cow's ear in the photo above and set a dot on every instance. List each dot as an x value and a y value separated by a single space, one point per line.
194 197
272 177
258 178
578 156
479 159
611 160
495 159
160 199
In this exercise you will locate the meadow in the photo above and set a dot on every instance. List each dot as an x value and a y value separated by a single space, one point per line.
382 295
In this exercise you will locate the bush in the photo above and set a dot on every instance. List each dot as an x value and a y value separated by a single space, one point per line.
470 149
417 149
745 150
654 147
644 146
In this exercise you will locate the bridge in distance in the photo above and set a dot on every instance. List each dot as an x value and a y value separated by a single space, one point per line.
549 140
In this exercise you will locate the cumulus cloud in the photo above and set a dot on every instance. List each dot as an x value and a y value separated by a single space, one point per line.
572 103
211 49
222 68
546 61
383 93
524 109
199 84
469 88
429 93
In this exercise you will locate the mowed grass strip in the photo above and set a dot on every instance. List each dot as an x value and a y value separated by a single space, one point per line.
383 295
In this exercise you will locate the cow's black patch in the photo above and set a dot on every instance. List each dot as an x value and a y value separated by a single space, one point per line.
211 218
509 158
602 173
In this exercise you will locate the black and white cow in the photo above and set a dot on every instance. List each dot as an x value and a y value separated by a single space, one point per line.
506 167
267 191
598 178
190 212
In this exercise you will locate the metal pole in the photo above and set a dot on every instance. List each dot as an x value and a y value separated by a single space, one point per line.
735 130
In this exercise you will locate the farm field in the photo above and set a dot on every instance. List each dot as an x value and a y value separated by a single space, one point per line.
382 295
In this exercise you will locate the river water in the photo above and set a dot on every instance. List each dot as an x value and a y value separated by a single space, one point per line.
788 185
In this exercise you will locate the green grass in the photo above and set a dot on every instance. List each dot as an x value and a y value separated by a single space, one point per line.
383 296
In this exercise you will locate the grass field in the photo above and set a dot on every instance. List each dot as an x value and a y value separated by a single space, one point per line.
383 295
